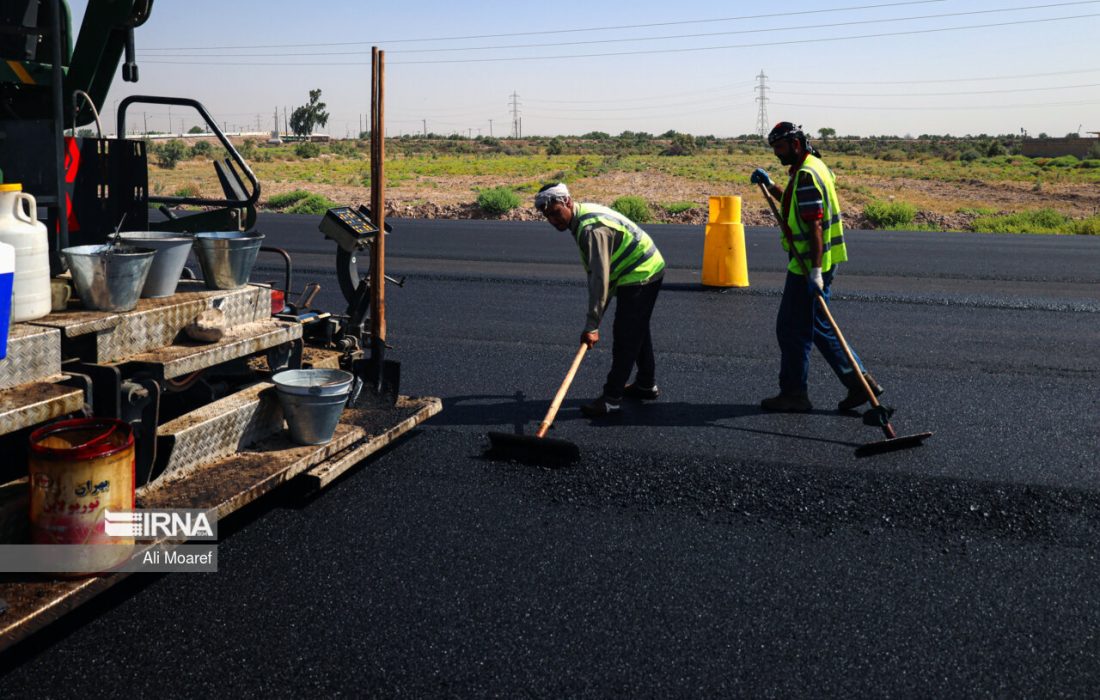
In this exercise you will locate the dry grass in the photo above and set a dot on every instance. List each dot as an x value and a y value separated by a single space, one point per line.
945 193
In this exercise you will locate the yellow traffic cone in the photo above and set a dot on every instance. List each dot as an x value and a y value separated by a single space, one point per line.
724 263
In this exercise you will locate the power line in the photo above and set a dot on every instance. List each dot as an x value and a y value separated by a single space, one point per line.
788 42
784 29
553 31
652 98
938 108
941 80
943 94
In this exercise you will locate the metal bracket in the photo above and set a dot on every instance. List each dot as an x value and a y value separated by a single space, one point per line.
105 396
141 409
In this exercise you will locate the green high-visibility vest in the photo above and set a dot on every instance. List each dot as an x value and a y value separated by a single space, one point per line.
832 228
633 261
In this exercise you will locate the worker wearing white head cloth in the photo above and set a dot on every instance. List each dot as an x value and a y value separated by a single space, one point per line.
622 262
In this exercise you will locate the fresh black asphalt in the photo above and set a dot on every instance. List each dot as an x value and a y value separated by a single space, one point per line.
700 547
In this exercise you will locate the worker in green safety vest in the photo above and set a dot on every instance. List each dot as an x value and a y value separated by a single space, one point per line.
811 209
621 261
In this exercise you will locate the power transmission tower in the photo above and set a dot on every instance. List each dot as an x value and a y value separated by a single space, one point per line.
762 97
517 130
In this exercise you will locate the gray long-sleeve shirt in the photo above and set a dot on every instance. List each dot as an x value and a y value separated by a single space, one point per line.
597 244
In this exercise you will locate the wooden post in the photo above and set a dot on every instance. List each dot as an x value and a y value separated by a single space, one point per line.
378 199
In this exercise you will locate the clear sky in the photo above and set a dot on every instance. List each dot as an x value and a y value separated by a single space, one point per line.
860 67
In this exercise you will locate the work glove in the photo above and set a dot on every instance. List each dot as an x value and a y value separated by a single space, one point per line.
590 338
817 280
761 177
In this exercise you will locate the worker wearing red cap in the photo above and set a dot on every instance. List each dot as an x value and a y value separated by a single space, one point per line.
811 209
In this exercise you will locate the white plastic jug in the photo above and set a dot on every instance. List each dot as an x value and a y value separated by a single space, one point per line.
21 229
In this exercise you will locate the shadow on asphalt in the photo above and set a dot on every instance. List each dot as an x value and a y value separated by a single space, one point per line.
519 412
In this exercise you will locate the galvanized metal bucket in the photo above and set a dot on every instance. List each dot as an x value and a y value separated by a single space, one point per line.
227 257
312 401
108 277
172 251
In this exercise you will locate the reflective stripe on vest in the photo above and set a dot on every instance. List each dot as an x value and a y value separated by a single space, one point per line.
636 259
833 250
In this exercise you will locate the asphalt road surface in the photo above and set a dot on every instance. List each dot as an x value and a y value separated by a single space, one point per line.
700 547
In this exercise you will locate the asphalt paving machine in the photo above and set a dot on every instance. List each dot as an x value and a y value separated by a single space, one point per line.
209 432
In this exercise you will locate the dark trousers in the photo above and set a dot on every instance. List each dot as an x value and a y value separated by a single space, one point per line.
801 325
632 344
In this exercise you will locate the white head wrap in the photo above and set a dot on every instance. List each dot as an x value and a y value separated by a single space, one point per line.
557 193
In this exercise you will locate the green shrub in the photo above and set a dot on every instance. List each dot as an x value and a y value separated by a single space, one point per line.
1035 221
187 191
1063 162
497 200
889 214
202 148
1087 227
977 211
678 207
969 155
344 148
556 147
634 208
681 145
307 149
170 153
284 200
312 204
247 149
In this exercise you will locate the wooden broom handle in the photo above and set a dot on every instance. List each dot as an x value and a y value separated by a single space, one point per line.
562 390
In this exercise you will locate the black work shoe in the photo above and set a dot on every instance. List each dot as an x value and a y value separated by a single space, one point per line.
856 395
601 407
787 403
641 393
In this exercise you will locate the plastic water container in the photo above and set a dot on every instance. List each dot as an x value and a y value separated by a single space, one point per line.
7 272
21 229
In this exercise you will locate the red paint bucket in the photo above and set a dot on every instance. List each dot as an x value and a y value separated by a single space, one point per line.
79 469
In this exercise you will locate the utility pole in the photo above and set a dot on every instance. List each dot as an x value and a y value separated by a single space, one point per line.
286 124
490 128
762 97
145 119
276 133
425 123
516 131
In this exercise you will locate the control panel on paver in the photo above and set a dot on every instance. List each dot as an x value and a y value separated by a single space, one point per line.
350 228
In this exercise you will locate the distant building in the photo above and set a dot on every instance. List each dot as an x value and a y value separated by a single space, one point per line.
1080 146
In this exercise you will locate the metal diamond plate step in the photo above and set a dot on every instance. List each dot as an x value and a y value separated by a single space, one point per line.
219 487
187 356
34 354
30 404
217 430
103 337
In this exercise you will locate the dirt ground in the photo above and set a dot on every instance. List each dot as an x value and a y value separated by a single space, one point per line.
940 205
